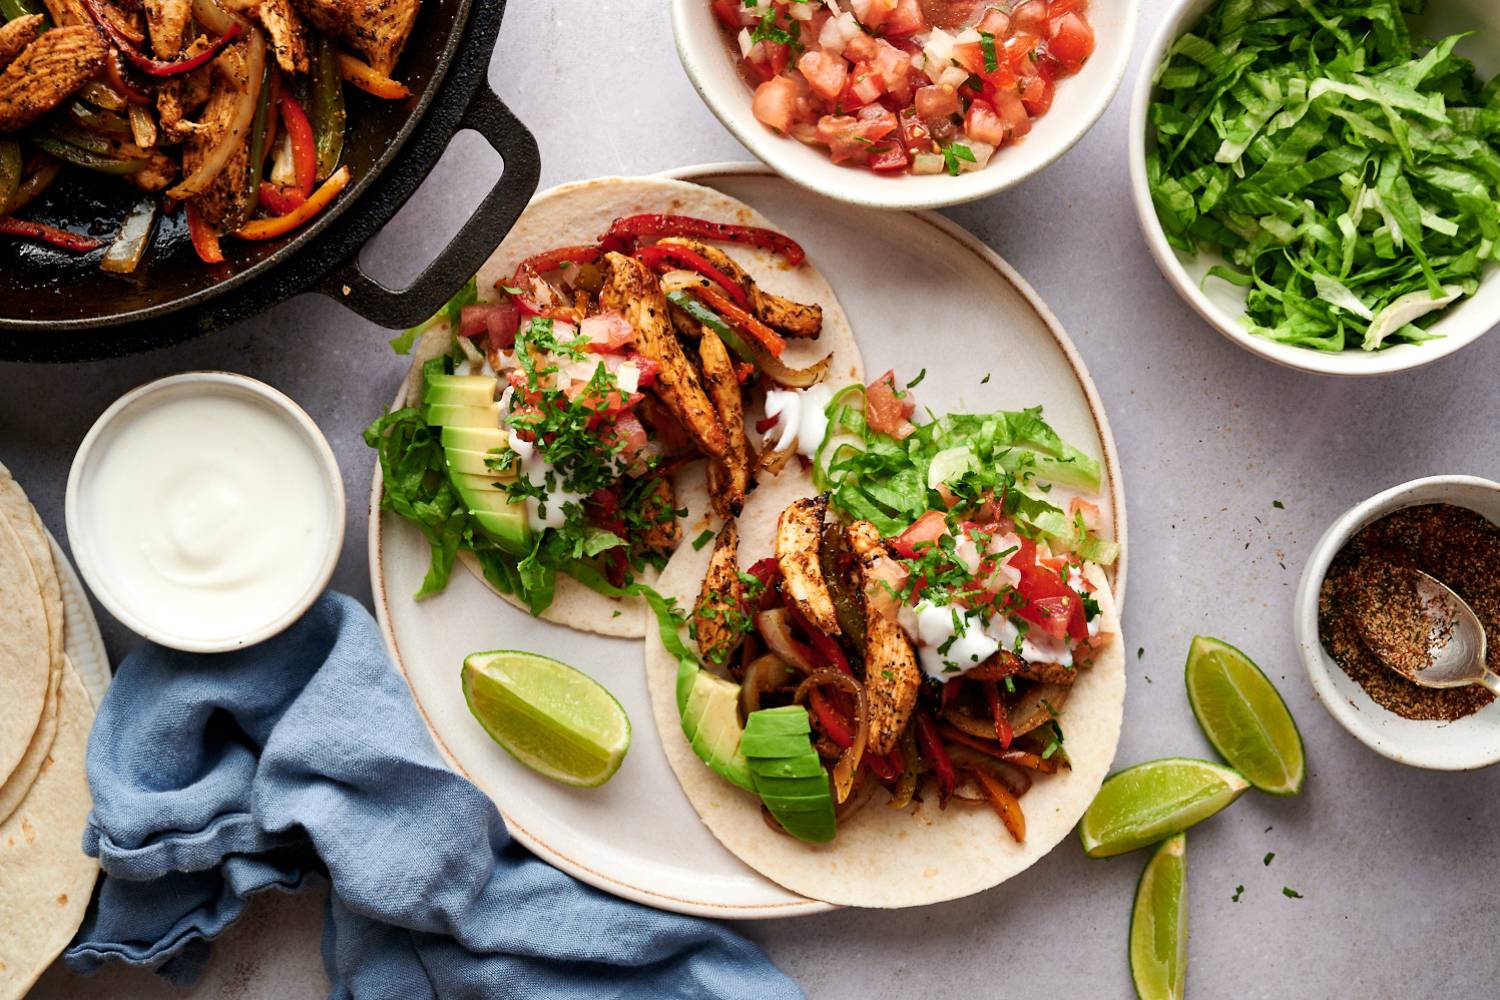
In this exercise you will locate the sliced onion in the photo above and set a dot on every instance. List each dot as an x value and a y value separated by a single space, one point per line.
773 628
765 673
983 729
125 253
968 759
239 126
214 18
848 763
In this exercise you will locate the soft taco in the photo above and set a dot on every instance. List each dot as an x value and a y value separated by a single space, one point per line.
903 680
587 396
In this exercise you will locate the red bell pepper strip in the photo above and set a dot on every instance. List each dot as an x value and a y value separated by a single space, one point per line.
932 748
663 257
625 231
1002 717
768 572
886 767
158 67
539 264
834 724
270 229
60 238
741 320
279 201
304 147
115 74
205 240
766 423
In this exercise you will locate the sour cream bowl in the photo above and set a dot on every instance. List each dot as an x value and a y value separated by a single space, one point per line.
205 511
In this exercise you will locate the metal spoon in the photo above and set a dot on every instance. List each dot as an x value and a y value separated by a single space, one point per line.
1456 649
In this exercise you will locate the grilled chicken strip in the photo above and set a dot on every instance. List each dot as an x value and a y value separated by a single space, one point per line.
47 71
181 96
798 533
729 477
664 532
66 13
377 29
634 292
792 318
226 203
167 22
16 35
892 677
287 32
720 600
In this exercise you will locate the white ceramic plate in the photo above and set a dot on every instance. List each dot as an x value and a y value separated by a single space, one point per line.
81 639
920 292
1080 101
1220 303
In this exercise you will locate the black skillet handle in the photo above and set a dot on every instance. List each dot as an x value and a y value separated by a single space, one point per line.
473 243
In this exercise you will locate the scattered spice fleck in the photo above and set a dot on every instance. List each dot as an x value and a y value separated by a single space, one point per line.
1267 859
1290 893
1140 652
1453 544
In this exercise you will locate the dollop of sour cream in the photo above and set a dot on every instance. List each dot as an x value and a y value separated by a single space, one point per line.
211 515
540 514
802 416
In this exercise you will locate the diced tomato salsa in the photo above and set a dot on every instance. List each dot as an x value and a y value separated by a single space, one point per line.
905 86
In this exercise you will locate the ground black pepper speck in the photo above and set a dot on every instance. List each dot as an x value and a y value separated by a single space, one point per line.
1453 544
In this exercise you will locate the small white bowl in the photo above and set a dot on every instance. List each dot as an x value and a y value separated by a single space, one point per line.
95 567
1221 303
1080 101
1470 742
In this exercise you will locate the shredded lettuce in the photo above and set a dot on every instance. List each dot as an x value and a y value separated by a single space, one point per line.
1346 171
1014 454
468 295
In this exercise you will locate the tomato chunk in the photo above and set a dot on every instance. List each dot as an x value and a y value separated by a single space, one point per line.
1070 40
825 73
924 532
982 124
774 102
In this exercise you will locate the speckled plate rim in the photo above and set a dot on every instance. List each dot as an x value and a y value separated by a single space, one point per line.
1385 740
578 867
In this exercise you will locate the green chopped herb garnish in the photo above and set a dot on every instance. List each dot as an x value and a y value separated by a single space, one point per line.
703 539
987 46
1290 893
918 380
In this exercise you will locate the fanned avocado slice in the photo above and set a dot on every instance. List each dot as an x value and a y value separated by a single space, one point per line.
789 777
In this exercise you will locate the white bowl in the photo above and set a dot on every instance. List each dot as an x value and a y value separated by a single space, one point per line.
1080 101
96 567
1471 742
1221 303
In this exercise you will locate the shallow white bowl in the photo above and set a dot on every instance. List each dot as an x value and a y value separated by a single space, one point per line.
1221 303
1470 742
1080 100
112 592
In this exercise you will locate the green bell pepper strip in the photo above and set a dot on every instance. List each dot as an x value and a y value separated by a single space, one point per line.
87 160
329 113
11 166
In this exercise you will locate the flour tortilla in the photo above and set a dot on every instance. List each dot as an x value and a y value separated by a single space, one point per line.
881 857
45 878
579 214
18 511
25 655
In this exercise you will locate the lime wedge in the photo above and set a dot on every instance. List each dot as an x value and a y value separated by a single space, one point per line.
556 720
1244 718
1149 802
1158 924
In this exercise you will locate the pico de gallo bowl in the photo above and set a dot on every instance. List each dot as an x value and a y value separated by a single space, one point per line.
921 87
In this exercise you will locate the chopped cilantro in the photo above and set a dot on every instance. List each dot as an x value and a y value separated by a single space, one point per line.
1290 893
702 540
1278 505
955 152
1267 859
918 380
1239 891
987 46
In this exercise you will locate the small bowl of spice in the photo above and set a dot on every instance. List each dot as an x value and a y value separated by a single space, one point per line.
1356 615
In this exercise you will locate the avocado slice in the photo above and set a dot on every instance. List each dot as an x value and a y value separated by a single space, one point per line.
452 415
460 390
711 723
476 463
789 777
482 439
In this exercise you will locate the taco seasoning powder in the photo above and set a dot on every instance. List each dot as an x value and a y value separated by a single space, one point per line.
1454 545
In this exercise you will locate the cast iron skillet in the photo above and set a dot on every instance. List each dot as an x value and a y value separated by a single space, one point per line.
62 307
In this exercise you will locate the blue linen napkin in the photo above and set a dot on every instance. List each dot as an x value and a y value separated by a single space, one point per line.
303 760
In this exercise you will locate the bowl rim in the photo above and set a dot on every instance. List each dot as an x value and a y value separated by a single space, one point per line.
1399 358
1319 665
908 192
210 383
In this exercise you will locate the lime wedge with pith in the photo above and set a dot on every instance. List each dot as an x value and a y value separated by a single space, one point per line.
556 720
1149 802
1244 717
1158 924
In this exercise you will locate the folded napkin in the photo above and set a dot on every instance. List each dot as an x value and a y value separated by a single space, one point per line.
303 760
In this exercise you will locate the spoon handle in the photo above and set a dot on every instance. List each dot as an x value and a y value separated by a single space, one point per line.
1490 680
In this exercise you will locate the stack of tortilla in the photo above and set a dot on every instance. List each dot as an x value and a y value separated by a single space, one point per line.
45 714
